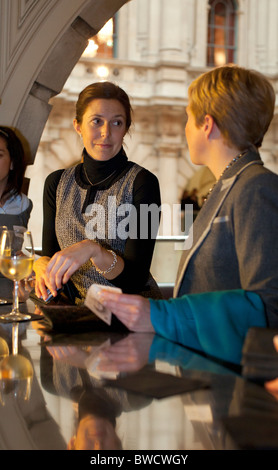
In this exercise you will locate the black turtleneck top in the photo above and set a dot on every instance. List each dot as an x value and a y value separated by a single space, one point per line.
138 253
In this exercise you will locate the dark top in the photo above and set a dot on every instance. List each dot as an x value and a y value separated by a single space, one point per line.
138 252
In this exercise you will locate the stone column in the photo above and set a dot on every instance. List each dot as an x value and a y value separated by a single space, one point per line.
272 46
169 146
170 38
199 52
167 252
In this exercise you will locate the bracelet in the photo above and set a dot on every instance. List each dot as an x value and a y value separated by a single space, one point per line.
110 267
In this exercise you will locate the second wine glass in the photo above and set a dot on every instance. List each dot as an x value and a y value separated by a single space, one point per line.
3 227
16 263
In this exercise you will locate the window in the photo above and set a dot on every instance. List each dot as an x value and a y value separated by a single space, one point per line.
221 33
103 44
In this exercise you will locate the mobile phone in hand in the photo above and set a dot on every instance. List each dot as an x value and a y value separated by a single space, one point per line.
49 296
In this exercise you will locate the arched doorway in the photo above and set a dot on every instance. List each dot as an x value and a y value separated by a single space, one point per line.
41 41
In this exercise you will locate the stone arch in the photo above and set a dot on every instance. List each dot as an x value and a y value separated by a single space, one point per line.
41 44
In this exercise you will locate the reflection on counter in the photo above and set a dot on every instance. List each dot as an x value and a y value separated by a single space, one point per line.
16 372
25 422
111 389
253 418
84 366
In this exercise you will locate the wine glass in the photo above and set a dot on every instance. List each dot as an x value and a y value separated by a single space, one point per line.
16 263
4 348
16 372
3 227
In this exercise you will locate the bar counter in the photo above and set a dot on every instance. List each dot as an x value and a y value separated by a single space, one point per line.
111 389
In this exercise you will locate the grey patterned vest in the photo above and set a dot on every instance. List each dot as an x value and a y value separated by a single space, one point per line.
72 225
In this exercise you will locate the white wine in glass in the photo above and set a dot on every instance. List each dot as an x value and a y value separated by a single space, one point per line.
16 263
3 227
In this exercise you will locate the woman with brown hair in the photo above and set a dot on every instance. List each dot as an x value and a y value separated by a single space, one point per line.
15 207
94 194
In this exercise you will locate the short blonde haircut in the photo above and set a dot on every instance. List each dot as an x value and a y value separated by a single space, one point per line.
240 101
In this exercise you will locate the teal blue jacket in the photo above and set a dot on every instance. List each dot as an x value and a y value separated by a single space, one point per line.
215 323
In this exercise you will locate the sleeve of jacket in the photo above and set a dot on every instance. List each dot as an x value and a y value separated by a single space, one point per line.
50 243
215 323
256 231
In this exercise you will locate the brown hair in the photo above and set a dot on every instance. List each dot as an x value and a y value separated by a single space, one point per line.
240 101
17 156
103 90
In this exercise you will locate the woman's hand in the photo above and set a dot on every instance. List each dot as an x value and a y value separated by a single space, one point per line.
72 355
25 286
40 270
132 310
53 272
127 355
64 263
272 385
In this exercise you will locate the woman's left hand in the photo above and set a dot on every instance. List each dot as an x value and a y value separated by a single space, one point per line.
132 310
65 262
72 355
25 286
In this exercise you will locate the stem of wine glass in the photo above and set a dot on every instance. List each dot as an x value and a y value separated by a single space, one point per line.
15 298
15 338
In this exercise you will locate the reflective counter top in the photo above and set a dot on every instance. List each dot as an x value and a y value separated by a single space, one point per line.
119 390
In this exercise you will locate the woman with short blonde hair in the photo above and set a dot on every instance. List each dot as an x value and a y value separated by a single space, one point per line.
227 279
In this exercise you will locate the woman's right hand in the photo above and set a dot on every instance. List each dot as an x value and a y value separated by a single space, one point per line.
133 311
53 272
40 266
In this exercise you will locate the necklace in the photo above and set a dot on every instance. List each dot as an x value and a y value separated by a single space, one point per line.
101 181
232 162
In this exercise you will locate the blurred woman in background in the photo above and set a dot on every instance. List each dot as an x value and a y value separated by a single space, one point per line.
15 207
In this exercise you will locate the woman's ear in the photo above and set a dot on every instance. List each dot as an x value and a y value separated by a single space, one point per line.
77 127
208 124
210 127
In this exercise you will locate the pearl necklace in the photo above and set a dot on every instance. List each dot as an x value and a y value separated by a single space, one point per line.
232 162
101 181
